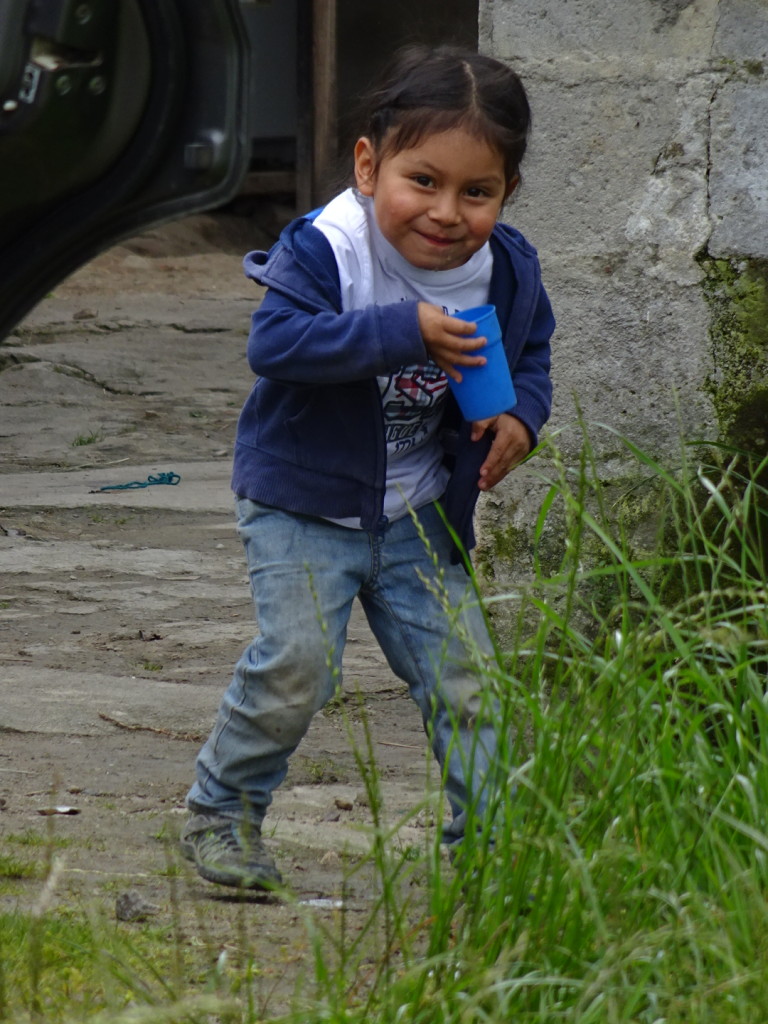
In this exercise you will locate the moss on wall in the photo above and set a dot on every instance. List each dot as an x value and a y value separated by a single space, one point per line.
737 293
503 547
657 513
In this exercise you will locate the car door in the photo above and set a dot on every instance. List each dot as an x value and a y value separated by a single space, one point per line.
114 115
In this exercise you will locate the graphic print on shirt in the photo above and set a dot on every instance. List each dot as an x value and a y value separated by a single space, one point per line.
410 398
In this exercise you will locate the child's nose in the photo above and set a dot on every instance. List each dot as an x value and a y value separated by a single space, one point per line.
445 208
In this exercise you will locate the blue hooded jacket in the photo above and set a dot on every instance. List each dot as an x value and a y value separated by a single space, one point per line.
310 438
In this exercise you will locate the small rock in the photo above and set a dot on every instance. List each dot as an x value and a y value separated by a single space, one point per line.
131 906
12 531
84 314
425 819
330 857
343 803
149 637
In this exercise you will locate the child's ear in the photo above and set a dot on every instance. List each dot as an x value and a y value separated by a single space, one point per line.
511 186
365 166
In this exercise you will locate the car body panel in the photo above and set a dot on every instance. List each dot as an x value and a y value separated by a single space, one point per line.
114 115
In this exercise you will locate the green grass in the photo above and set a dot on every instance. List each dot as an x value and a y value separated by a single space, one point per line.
25 855
30 838
624 880
92 437
14 866
67 967
627 878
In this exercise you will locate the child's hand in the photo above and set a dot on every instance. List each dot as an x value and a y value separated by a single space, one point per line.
445 339
511 444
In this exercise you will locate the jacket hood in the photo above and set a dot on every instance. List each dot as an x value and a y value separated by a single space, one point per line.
300 246
515 240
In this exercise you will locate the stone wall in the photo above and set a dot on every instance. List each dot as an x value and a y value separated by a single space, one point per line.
646 192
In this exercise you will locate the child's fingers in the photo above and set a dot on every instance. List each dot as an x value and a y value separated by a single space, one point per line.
463 349
479 427
465 356
447 348
456 326
451 359
511 444
435 324
449 341
447 366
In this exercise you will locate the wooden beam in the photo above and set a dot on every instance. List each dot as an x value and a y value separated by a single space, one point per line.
325 142
305 130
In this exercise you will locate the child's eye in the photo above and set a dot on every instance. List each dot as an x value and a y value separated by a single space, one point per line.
475 192
423 180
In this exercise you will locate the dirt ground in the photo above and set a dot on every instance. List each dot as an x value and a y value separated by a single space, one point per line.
123 611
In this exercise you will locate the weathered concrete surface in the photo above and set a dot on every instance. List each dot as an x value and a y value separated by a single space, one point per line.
206 487
649 147
123 612
648 156
738 180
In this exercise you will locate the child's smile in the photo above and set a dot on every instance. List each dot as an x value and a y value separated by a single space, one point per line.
436 202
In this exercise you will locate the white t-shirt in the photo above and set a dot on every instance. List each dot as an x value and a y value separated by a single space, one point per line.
372 271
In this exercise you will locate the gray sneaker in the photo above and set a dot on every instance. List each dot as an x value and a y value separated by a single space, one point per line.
229 852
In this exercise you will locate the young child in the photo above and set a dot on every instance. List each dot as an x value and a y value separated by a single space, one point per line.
350 425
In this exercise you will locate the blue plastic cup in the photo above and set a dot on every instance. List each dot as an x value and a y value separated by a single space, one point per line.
484 391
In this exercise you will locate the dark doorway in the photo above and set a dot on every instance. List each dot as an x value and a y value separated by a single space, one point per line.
313 59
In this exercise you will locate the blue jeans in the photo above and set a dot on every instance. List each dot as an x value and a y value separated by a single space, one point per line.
305 574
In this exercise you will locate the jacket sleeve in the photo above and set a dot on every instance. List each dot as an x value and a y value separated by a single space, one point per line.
531 372
300 335
289 343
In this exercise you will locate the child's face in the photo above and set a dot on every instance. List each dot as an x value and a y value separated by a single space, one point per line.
437 202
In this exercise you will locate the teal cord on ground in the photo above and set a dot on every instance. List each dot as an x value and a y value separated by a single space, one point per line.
159 478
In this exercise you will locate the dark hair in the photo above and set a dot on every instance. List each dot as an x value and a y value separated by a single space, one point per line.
424 91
